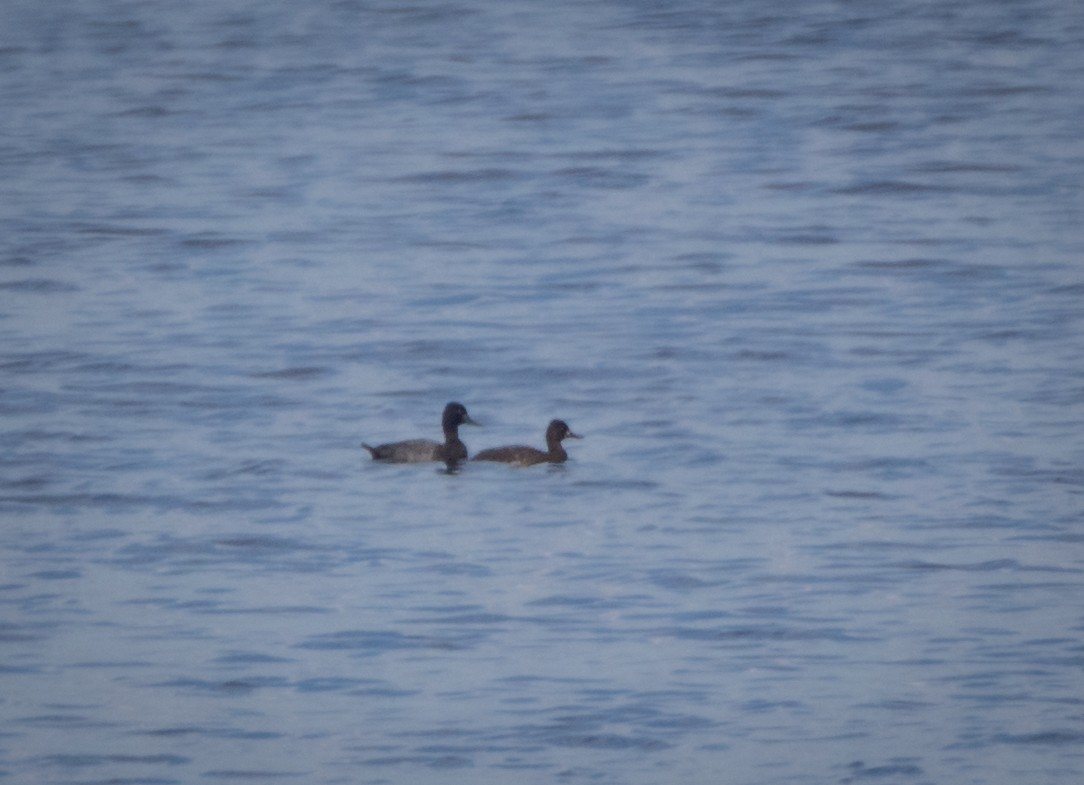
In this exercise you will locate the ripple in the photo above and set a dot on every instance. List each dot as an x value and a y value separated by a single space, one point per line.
890 188
761 633
1043 738
298 373
860 772
383 641
39 286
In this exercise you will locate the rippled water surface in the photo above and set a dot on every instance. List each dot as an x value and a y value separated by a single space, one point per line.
809 278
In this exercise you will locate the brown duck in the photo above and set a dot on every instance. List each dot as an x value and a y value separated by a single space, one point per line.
521 455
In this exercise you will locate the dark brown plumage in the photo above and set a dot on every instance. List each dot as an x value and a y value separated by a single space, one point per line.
521 455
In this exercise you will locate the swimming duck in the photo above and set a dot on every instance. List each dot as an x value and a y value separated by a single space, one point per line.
422 450
520 455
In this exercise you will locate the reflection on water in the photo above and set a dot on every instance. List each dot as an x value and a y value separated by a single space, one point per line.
808 279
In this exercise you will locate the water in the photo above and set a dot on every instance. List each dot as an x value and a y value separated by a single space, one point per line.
807 278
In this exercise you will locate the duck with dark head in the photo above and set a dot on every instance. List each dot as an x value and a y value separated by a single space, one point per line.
452 451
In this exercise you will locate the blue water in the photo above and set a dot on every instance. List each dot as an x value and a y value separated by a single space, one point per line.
809 278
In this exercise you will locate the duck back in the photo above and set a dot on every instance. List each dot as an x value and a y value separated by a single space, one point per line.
409 451
519 455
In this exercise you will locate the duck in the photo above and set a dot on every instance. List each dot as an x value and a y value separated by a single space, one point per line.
452 451
521 455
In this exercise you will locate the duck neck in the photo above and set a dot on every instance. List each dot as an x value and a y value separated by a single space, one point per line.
556 450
